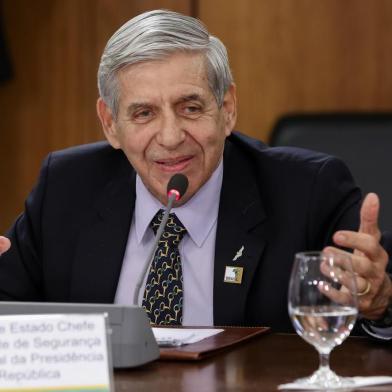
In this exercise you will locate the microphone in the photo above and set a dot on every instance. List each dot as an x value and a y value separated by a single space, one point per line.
176 188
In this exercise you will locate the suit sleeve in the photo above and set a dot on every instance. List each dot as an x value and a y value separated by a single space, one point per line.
21 267
334 203
338 202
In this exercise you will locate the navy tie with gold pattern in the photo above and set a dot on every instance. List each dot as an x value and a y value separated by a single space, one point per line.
163 294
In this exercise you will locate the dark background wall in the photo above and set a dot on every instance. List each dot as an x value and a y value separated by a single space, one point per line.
286 55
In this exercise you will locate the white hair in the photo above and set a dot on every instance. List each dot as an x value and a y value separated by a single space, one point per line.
155 35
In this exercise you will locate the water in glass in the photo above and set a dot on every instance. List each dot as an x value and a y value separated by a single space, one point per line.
323 308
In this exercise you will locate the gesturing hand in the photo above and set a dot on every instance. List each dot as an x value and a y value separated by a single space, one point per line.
5 244
369 260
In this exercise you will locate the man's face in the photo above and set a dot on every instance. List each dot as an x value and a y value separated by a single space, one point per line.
169 122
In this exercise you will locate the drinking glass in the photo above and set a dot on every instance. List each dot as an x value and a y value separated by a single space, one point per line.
323 307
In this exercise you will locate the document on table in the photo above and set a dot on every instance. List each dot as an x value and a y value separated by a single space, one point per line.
176 337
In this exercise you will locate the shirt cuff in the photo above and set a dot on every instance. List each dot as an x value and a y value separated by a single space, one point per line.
377 332
379 329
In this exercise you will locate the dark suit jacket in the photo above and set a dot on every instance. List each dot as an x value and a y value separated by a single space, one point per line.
69 244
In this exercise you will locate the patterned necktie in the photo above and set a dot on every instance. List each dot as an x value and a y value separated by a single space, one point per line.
162 298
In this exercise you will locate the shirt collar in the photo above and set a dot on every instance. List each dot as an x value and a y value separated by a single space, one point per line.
198 214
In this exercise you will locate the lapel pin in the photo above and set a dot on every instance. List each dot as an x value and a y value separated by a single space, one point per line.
239 253
233 274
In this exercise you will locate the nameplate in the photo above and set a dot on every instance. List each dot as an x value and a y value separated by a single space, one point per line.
65 353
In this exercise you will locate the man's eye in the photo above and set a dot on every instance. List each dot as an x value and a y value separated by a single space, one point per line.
192 109
143 115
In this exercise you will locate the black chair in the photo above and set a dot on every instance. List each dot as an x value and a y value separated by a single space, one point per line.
362 141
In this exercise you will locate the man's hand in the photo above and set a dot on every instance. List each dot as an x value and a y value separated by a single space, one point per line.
369 260
5 244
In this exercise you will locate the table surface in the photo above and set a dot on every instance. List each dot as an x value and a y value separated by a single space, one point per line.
260 364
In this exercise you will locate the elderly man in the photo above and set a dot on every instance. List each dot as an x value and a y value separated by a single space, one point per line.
168 105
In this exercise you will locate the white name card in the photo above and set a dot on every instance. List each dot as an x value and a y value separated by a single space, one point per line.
54 352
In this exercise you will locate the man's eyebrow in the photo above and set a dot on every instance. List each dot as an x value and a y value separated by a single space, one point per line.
190 97
144 105
136 106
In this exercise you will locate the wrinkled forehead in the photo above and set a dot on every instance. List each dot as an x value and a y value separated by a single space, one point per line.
180 68
186 58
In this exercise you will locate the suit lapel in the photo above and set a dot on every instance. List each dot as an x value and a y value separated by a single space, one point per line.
102 243
240 232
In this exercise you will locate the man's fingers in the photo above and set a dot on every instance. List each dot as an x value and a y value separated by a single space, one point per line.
359 265
343 262
366 244
5 244
344 267
341 296
369 260
369 215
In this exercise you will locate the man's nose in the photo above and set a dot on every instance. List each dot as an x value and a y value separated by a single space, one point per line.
170 134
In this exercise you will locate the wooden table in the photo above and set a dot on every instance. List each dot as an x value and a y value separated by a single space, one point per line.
260 364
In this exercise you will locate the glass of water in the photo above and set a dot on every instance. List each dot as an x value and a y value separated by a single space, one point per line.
323 308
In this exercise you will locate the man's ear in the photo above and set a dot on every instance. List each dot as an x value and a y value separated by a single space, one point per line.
229 108
108 123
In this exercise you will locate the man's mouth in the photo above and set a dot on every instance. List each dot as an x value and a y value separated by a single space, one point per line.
174 164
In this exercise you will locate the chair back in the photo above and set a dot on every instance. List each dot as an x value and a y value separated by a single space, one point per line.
362 141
